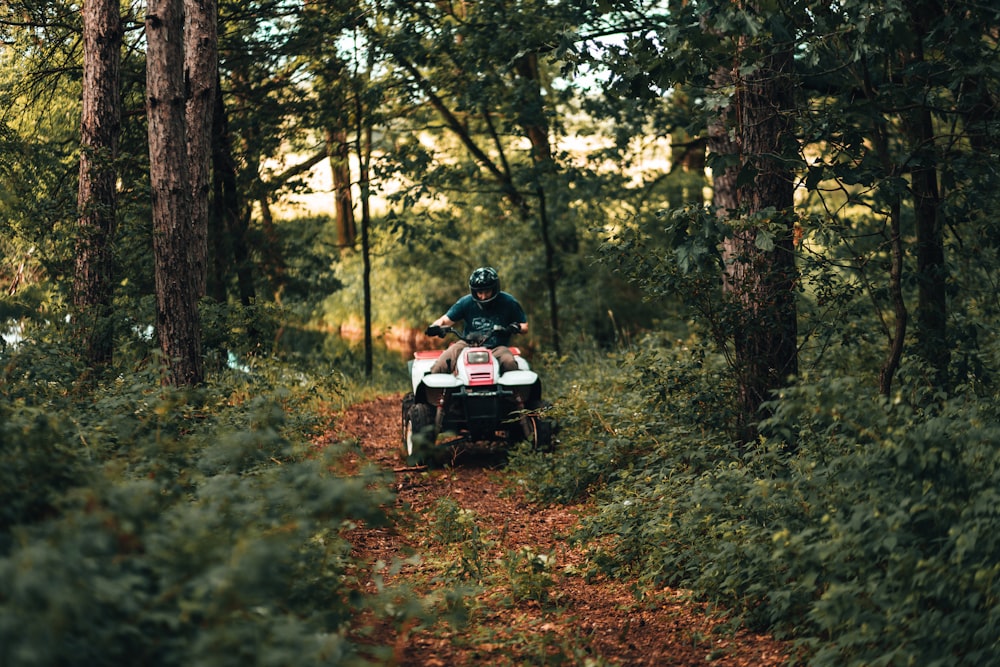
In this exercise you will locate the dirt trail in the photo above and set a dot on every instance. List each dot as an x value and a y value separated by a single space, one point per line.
597 618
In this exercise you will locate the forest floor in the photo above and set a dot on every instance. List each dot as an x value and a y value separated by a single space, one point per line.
552 614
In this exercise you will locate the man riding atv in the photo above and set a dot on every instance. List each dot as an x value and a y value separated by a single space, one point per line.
478 390
484 309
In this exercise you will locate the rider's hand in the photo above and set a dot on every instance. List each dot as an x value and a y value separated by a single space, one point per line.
434 331
514 327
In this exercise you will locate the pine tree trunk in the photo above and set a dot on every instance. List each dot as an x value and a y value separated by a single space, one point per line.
201 67
536 128
100 126
760 279
177 321
230 218
932 272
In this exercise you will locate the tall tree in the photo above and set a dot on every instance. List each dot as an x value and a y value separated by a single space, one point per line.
339 149
737 57
918 127
201 58
177 321
913 85
100 126
268 113
759 255
363 142
230 217
889 105
533 121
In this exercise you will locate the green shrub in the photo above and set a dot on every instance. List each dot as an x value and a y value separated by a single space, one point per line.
903 550
38 463
874 541
143 525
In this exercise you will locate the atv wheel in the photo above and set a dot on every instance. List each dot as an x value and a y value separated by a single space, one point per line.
540 430
418 434
541 434
534 429
407 404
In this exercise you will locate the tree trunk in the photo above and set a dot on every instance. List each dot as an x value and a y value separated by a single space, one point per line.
339 150
201 64
223 205
272 259
932 302
761 274
364 153
897 332
896 339
725 197
100 127
230 219
177 321
532 120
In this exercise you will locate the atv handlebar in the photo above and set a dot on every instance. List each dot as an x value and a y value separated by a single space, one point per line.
473 337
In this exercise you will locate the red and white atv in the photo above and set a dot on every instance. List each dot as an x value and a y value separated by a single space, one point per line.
475 404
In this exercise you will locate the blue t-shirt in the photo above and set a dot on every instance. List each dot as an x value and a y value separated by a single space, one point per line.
501 311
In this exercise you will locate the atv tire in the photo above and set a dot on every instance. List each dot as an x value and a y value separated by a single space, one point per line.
542 436
419 434
535 429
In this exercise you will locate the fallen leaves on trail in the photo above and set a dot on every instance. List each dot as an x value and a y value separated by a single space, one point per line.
585 620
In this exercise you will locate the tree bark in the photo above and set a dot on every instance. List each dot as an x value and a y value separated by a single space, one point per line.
100 127
897 332
230 219
896 340
760 277
932 302
339 150
364 155
201 66
177 322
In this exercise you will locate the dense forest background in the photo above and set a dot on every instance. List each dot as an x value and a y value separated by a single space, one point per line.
756 242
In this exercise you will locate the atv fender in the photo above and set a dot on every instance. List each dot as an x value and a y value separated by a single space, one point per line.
518 378
441 380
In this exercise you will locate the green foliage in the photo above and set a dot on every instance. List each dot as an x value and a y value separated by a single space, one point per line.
865 528
309 246
141 525
37 466
590 445
36 368
451 523
528 575
454 526
250 331
678 254
899 546
146 525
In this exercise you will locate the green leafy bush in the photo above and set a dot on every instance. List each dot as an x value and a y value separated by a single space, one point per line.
37 465
142 525
873 541
902 538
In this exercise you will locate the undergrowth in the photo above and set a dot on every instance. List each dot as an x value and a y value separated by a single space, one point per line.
864 529
475 582
146 525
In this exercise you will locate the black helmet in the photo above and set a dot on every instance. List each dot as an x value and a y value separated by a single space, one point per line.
483 279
